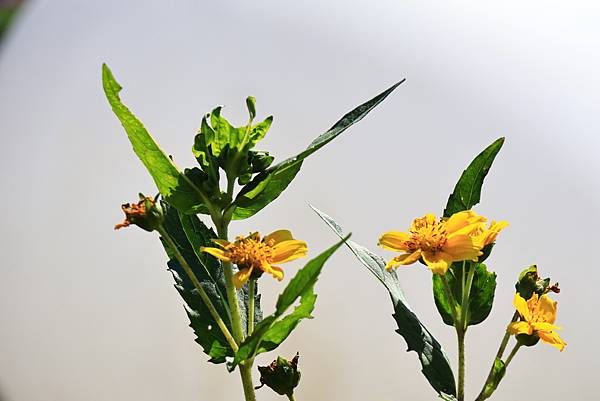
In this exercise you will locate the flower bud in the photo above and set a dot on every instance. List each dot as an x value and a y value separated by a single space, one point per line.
530 283
282 376
146 214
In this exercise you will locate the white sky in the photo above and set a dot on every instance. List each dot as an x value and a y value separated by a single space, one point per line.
87 313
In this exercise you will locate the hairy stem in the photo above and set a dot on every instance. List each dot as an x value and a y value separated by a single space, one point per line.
213 311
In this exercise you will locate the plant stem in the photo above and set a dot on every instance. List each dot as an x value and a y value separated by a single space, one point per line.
482 395
236 321
467 295
291 397
512 355
455 310
251 291
213 311
460 334
246 374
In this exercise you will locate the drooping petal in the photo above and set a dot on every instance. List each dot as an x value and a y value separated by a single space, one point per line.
552 339
438 262
394 241
548 308
279 236
521 306
519 328
462 247
216 252
405 259
275 271
240 278
288 250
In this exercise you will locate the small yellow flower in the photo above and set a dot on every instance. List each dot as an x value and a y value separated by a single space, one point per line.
537 317
439 243
250 253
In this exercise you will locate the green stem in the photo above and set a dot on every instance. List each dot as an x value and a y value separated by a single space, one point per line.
232 298
236 321
460 334
512 355
251 292
211 308
246 374
467 295
455 309
291 397
483 395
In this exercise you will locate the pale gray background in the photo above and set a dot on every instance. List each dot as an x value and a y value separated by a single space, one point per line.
87 313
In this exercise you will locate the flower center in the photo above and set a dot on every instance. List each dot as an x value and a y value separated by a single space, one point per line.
250 251
537 315
427 235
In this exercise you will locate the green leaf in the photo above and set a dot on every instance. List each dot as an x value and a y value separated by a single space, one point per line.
447 397
172 184
467 191
496 375
435 365
189 234
481 296
267 186
272 331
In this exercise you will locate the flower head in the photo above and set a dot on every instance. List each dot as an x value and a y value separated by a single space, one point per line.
537 319
254 255
439 243
146 214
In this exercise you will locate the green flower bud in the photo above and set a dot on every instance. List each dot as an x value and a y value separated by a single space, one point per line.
282 376
530 283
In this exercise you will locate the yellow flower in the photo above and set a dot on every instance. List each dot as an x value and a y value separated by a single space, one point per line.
439 243
537 317
250 253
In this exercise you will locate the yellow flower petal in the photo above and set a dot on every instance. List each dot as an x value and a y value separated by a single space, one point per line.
405 259
240 278
552 339
461 220
522 307
438 262
519 328
548 308
221 242
279 236
541 326
274 271
462 247
216 252
394 241
288 250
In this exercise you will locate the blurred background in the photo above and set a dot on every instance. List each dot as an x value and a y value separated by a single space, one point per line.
87 313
